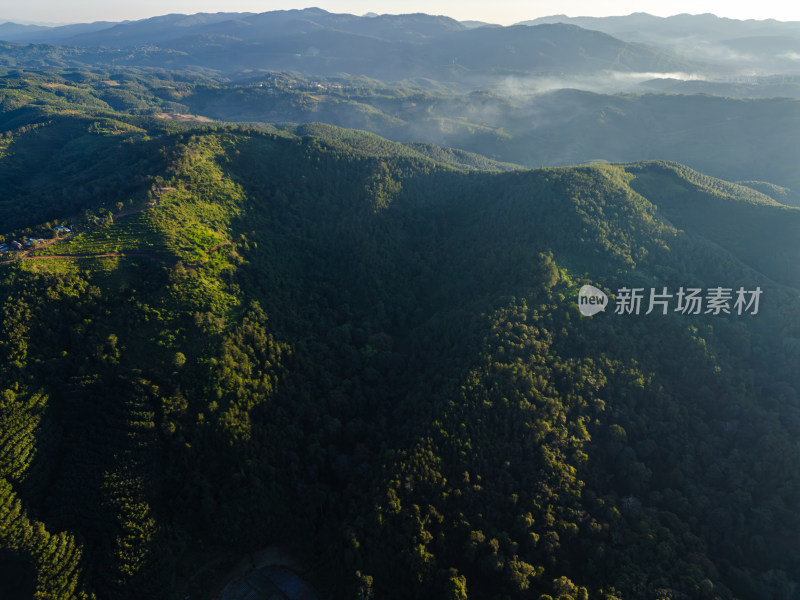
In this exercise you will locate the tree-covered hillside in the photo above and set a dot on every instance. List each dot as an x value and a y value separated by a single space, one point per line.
750 141
331 343
526 122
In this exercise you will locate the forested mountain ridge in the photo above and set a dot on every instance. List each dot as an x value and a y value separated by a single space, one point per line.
335 344
739 140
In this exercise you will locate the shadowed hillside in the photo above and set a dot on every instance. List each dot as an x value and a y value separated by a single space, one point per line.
324 341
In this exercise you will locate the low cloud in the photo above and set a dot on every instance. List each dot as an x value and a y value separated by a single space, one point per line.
606 82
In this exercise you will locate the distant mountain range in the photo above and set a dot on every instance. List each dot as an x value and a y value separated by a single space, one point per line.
768 46
421 45
645 27
314 41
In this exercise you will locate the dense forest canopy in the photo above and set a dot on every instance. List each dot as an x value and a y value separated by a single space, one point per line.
221 337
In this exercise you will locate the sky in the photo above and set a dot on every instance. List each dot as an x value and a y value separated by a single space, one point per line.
504 12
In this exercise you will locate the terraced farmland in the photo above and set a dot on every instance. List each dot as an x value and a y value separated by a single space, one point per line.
134 233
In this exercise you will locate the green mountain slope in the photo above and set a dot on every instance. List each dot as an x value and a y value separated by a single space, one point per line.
525 123
754 227
737 140
335 345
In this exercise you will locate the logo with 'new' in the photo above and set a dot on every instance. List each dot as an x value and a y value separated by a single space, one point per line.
591 300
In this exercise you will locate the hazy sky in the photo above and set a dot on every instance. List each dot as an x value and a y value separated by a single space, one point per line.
501 11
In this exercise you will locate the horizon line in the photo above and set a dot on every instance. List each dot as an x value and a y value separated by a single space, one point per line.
54 25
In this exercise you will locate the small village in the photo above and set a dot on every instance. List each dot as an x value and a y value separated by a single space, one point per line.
31 243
